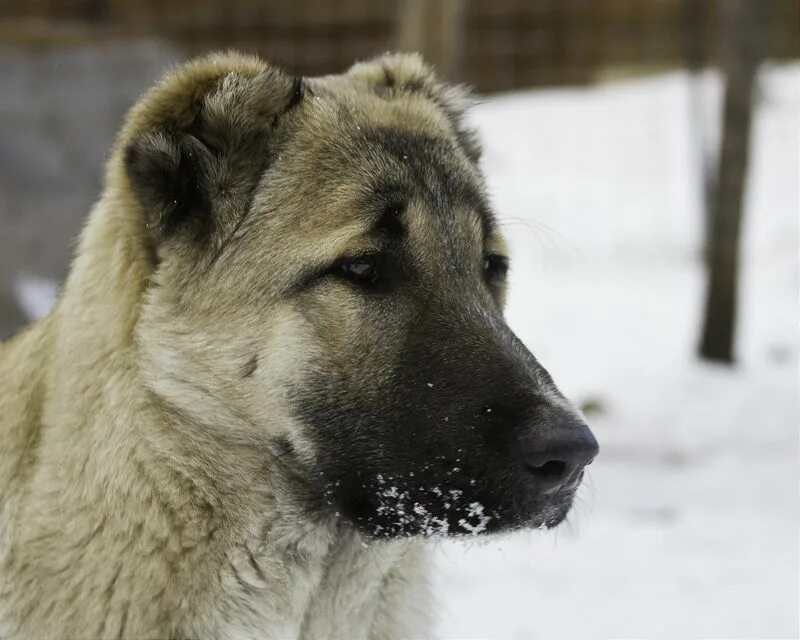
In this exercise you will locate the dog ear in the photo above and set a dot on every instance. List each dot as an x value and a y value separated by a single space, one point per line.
407 73
169 173
203 141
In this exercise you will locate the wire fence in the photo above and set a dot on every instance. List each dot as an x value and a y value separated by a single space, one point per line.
497 44
71 68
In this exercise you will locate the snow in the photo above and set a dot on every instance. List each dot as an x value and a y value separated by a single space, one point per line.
687 524
35 295
416 518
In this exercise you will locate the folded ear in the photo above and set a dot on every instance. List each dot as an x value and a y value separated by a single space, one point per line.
404 73
169 173
201 141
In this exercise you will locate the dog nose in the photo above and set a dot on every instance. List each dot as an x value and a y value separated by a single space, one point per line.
557 457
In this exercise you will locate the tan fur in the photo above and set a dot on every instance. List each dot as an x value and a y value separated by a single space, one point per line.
124 511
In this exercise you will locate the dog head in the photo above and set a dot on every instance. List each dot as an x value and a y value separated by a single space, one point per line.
328 280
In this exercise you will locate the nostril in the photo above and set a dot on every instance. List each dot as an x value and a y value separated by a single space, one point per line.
554 449
549 470
552 467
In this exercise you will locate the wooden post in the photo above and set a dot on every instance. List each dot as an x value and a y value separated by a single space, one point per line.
435 29
741 57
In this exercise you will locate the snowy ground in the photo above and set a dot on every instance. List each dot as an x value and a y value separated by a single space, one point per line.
688 525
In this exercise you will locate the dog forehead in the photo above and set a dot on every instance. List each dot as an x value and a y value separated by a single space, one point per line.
347 119
348 155
353 98
363 162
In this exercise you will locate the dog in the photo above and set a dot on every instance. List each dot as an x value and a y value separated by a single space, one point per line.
277 368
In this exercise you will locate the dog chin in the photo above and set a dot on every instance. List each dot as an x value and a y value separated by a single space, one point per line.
552 515
395 514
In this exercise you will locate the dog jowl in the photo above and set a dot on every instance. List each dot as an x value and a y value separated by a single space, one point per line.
341 228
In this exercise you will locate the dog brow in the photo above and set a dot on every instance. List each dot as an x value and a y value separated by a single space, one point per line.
390 222
387 202
425 159
487 220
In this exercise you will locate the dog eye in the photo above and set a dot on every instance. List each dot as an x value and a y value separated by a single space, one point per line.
361 270
495 268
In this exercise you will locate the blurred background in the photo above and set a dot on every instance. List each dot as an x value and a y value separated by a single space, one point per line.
642 156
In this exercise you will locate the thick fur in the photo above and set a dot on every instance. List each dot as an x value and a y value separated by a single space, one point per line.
176 437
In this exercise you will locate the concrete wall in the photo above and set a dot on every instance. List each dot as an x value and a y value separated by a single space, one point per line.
59 112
